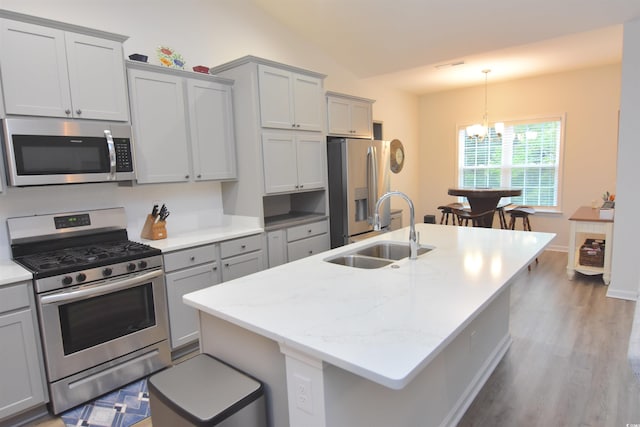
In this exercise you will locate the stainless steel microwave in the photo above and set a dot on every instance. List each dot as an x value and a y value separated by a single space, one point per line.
40 151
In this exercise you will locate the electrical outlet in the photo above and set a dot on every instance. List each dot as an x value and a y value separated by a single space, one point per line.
304 398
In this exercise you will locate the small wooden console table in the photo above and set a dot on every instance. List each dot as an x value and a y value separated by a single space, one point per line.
586 223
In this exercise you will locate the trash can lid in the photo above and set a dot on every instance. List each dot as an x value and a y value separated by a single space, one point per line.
205 390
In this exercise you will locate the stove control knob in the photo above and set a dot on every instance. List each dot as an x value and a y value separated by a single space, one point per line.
81 277
142 264
107 272
131 266
67 280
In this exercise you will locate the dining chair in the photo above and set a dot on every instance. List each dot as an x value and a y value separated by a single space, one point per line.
466 216
522 212
447 210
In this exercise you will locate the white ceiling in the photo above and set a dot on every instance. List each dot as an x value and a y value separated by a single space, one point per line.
402 41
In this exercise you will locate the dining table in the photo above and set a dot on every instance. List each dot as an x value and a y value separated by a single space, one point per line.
484 199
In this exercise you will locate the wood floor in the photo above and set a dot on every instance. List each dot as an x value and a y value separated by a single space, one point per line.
567 365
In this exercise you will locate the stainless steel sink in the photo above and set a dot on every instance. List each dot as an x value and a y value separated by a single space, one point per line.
390 250
376 255
359 261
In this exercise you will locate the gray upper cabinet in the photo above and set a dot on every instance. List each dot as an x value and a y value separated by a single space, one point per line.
85 75
182 125
278 157
289 100
349 116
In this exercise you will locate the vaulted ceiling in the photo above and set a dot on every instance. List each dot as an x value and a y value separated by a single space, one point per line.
425 46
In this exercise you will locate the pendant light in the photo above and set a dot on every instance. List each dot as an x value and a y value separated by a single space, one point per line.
481 130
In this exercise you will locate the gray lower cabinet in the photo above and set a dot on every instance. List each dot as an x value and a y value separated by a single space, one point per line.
307 239
300 241
187 271
21 369
195 268
242 256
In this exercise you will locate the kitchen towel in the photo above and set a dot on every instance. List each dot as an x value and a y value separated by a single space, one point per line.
120 408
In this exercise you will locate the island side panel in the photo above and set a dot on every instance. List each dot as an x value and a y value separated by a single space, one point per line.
253 354
441 392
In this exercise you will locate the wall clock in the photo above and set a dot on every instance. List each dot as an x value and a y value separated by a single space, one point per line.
397 156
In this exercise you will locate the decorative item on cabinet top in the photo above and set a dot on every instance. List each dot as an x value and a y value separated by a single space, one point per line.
138 57
170 58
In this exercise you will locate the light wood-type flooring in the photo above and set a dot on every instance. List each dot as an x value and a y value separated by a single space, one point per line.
567 365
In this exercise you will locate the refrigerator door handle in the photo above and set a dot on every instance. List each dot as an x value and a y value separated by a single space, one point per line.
372 181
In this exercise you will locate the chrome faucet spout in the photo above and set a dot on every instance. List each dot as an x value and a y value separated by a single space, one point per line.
413 237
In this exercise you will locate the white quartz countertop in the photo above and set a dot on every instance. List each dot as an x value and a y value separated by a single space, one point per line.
10 272
382 324
231 227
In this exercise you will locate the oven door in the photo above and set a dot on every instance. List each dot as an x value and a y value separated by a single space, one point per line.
88 325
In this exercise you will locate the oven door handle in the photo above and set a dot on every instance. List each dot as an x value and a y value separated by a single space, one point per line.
99 289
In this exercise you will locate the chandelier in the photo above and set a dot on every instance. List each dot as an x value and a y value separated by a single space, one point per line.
478 130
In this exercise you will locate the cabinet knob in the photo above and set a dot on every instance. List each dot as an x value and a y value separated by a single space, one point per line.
192 258
215 268
297 126
310 252
309 231
78 111
186 177
243 246
293 125
67 111
301 186
226 264
199 176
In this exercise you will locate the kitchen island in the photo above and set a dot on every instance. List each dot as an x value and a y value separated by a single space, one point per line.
407 344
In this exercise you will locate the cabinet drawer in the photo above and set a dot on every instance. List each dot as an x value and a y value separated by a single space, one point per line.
189 257
307 247
240 246
14 297
242 265
307 230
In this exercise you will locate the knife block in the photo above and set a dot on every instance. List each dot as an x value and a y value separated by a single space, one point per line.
153 230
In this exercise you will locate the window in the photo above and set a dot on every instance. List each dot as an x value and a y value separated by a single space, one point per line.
526 155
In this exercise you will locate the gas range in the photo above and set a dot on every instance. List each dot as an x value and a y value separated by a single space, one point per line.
77 250
100 300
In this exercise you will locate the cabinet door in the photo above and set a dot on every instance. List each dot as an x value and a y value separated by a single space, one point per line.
34 70
159 127
307 102
361 122
279 161
96 78
20 371
307 247
242 265
311 161
276 97
339 116
277 248
183 320
211 125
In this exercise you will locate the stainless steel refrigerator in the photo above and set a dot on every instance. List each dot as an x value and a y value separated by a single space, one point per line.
358 175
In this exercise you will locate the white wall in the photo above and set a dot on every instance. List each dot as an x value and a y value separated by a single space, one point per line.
588 98
204 33
625 275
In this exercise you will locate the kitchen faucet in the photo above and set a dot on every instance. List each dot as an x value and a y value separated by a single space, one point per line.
414 239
